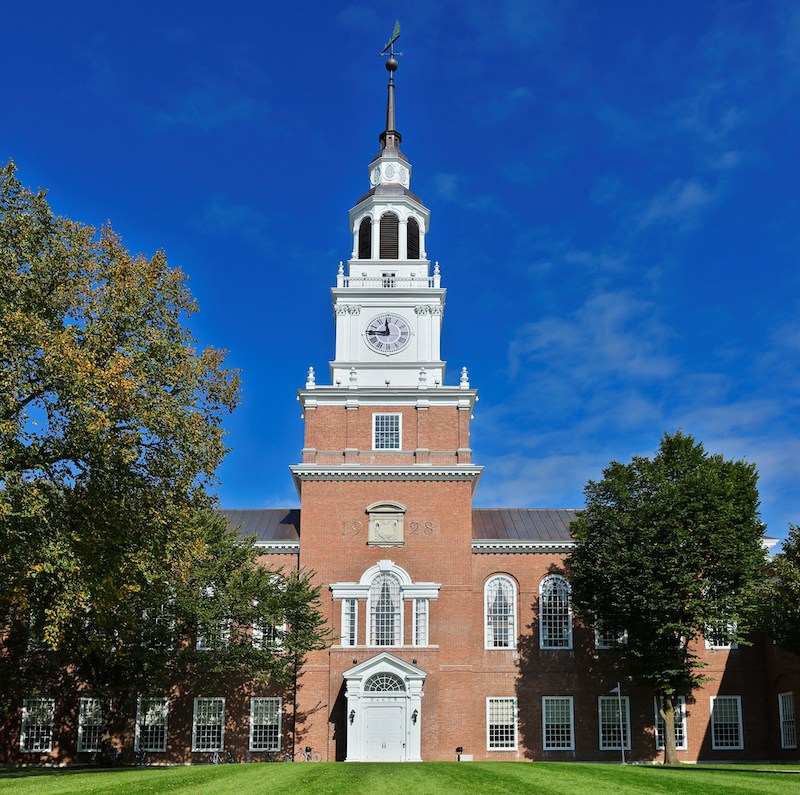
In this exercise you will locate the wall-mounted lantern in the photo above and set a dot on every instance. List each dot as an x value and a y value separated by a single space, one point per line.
352 715
414 716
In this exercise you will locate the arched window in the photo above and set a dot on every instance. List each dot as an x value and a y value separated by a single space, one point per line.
412 230
365 239
385 610
390 225
555 613
501 613
384 683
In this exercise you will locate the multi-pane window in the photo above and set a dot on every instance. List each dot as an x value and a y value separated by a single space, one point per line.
385 611
679 705
386 431
719 636
349 622
36 735
726 723
214 633
384 683
265 724
90 724
606 636
151 724
208 726
421 622
557 723
500 613
501 724
268 636
555 613
614 718
786 714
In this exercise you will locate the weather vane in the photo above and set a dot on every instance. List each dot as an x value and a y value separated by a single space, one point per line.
392 64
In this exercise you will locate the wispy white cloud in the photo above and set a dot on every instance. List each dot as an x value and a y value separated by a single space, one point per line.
681 202
206 108
224 217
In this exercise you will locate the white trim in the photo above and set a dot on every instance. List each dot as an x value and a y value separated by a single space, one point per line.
279 714
84 703
711 644
725 747
599 643
614 722
679 705
786 719
279 547
420 605
35 705
506 699
399 417
137 743
399 632
346 623
208 700
519 547
550 645
571 745
489 629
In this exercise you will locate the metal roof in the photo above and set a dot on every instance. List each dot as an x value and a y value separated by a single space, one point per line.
268 525
522 524
282 525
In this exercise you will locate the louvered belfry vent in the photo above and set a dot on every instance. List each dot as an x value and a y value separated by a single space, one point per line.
412 230
365 239
389 236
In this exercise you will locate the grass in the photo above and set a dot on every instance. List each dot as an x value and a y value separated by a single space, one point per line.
433 778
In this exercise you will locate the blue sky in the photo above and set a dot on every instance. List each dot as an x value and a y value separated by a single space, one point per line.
613 190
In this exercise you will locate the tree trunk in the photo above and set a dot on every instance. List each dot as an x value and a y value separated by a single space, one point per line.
666 709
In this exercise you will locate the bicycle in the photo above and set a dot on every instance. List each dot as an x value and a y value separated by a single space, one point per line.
107 756
308 754
141 759
218 759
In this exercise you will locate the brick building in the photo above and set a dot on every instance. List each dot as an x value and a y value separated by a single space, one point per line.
453 624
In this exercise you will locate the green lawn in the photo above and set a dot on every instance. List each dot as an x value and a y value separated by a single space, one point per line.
449 778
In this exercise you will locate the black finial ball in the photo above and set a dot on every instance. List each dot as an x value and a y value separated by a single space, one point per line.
391 63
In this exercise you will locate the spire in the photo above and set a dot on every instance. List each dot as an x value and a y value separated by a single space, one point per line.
390 138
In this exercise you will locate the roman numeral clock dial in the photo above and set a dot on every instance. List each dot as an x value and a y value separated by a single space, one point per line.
388 334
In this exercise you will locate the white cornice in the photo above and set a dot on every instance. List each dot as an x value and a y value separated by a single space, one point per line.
424 472
278 547
506 547
386 396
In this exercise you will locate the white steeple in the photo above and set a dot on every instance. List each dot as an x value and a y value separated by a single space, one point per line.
387 304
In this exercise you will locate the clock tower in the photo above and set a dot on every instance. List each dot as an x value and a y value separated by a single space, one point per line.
385 484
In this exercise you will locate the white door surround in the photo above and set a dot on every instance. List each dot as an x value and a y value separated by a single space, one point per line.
384 710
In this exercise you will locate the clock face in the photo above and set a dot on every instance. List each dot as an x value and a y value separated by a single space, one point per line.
388 333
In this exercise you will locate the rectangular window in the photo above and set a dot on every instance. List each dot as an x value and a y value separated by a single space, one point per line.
420 622
90 724
216 637
386 431
719 636
614 729
208 726
680 725
36 735
265 724
501 724
726 723
151 724
607 637
268 636
786 711
557 722
349 622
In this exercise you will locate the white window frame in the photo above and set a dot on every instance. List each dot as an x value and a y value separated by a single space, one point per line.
679 705
546 642
90 724
268 636
602 637
349 622
546 702
272 701
613 703
153 707
786 713
421 622
710 636
399 417
399 630
201 710
489 593
490 700
716 722
34 728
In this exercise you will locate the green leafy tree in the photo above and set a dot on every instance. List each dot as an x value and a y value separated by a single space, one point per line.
782 595
666 548
110 436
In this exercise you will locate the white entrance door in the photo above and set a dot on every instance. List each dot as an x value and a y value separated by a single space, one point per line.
385 741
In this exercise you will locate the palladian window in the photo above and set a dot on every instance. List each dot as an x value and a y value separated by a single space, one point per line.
385 611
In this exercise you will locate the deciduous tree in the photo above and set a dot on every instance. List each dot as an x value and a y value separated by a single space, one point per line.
666 548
